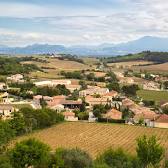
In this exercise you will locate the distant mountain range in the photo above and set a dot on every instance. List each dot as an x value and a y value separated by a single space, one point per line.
143 44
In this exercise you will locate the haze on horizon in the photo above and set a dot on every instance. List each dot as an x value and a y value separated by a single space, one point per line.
81 22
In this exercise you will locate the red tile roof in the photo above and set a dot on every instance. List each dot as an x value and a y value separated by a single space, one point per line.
163 118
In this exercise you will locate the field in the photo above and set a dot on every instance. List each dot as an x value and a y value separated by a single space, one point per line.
96 137
163 68
153 95
54 66
128 64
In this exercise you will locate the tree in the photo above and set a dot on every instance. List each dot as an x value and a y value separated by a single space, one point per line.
165 84
165 110
149 151
17 123
130 90
6 134
71 158
28 153
98 110
115 159
114 86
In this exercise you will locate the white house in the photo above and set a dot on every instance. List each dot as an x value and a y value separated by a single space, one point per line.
6 110
70 116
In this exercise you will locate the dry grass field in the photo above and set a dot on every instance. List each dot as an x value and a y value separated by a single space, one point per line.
55 66
128 64
96 137
154 68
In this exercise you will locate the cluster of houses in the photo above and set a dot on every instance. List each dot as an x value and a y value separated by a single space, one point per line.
149 117
93 95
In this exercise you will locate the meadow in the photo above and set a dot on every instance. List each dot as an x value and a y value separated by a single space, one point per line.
96 137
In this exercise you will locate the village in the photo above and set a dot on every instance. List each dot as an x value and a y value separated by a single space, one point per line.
88 101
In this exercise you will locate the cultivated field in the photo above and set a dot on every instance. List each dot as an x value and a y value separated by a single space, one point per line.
154 68
128 64
96 137
153 95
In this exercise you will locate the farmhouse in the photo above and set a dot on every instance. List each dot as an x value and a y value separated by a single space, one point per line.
94 101
151 86
6 110
113 114
2 85
110 95
70 116
93 90
52 83
16 78
161 121
72 88
127 103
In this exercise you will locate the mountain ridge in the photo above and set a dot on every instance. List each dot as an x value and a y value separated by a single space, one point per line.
106 49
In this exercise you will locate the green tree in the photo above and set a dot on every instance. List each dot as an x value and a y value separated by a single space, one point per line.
115 159
130 90
149 151
71 158
114 86
17 123
6 134
28 153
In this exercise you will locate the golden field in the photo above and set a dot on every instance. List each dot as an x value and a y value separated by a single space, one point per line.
96 137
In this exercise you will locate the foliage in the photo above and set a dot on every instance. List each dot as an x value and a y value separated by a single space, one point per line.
52 91
100 109
5 161
28 153
113 86
6 134
115 159
149 151
72 158
13 66
165 110
130 90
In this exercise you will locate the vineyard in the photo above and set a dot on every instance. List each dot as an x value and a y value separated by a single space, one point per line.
95 137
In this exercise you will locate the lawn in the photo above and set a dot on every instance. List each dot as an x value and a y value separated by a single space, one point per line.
153 95
96 137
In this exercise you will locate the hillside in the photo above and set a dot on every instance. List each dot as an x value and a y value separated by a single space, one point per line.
95 137
156 57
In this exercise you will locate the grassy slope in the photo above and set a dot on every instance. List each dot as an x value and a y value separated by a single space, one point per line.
95 137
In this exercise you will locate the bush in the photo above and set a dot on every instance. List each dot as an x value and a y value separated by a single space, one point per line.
29 153
71 158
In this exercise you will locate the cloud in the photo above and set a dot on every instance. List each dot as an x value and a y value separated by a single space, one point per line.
82 23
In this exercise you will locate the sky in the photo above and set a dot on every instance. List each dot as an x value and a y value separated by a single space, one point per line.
80 22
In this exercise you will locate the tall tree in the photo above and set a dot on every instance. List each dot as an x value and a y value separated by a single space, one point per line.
149 151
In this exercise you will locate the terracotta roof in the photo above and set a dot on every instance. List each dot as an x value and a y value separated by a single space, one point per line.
113 114
150 116
111 93
69 114
163 118
127 102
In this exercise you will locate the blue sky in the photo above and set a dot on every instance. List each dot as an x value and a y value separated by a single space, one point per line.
85 22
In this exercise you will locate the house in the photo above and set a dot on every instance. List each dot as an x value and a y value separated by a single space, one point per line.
151 86
2 85
110 95
6 110
37 98
161 121
94 101
70 116
72 88
127 103
52 83
113 114
58 107
16 78
91 118
146 117
4 98
93 90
